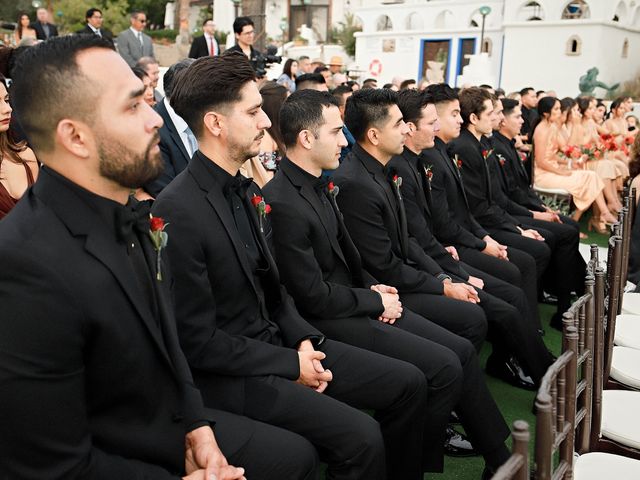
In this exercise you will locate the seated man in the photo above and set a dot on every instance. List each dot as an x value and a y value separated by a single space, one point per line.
250 350
567 268
511 330
93 383
322 269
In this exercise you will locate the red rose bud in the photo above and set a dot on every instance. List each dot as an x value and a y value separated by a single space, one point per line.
459 163
331 186
255 200
267 208
157 224
628 140
395 178
485 153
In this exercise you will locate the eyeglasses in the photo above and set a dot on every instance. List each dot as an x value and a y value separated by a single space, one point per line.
141 21
97 17
248 33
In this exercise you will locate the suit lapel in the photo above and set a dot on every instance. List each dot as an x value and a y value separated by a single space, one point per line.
80 220
173 133
309 194
456 174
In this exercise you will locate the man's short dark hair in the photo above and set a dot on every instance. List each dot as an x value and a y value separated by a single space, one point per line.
472 101
307 79
369 82
303 57
405 83
411 102
135 13
525 91
206 20
49 86
241 22
303 111
508 105
320 69
144 62
91 11
539 92
170 75
339 92
485 86
210 83
441 93
368 108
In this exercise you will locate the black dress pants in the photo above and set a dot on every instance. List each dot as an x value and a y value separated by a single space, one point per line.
519 270
512 331
264 451
567 268
352 443
450 366
462 318
539 250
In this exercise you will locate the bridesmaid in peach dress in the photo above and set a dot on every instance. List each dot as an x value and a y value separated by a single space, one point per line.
584 185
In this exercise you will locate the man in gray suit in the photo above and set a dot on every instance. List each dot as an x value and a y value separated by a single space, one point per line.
133 44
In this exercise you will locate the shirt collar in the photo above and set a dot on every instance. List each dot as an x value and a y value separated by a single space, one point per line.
177 120
219 174
93 29
135 32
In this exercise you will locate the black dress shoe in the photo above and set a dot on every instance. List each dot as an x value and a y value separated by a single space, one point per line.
549 298
457 444
511 372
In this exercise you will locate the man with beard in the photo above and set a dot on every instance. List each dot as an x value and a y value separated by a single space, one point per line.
250 350
93 383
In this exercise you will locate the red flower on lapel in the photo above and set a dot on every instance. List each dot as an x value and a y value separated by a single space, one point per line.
159 238
486 153
262 209
334 190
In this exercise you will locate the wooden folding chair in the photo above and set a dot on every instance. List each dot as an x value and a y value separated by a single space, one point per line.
517 466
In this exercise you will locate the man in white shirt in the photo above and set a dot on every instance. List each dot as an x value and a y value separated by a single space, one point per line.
206 45
132 43
177 142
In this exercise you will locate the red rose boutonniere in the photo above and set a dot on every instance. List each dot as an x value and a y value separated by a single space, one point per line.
397 183
501 159
486 153
159 238
457 161
428 171
334 190
262 208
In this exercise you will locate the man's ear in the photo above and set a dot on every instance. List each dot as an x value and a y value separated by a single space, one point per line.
213 123
373 135
75 137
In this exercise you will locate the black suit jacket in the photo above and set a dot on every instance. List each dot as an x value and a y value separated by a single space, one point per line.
199 47
106 34
40 35
174 155
477 183
229 331
416 194
454 224
514 174
322 270
92 384
373 217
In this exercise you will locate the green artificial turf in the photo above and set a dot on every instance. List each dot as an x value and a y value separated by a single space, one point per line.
515 404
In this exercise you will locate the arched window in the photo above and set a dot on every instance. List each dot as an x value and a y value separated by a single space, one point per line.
445 19
487 46
621 13
576 9
414 21
625 48
574 46
384 23
530 11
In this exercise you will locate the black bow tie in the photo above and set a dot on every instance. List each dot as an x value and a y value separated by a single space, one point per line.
238 185
132 216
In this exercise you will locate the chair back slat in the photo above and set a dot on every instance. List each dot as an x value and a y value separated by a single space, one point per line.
613 300
517 466
598 359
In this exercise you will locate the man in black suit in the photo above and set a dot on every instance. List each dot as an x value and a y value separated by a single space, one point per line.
370 202
94 25
206 44
177 141
529 101
93 383
566 271
322 269
512 334
453 223
44 29
250 350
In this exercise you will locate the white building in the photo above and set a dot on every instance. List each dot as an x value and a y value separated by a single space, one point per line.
546 44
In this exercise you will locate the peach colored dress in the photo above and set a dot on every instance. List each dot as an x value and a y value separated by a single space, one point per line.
584 185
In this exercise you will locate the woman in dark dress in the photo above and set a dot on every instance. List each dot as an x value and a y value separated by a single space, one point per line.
18 164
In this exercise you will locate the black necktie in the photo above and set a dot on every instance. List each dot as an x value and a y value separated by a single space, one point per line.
394 180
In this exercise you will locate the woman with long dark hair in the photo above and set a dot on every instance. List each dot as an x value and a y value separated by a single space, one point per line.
18 164
584 185
23 29
289 73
